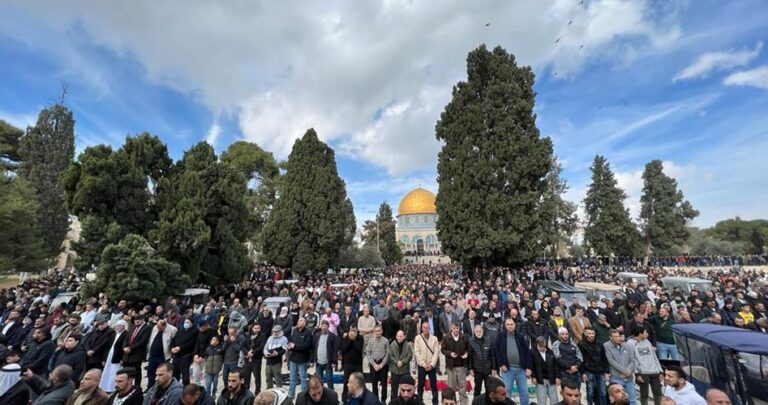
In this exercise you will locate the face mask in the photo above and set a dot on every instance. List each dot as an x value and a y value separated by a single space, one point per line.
187 325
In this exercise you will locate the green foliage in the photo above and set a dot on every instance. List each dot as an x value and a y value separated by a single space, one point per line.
46 151
748 233
384 236
664 212
310 223
365 257
10 140
609 229
201 195
577 251
21 245
702 242
130 270
262 173
558 215
493 164
113 192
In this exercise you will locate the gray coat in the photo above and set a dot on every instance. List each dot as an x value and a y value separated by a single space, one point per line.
395 355
620 359
172 395
50 395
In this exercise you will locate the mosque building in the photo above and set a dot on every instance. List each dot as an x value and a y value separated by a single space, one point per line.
416 221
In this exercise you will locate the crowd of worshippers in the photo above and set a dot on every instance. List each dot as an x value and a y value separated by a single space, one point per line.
378 333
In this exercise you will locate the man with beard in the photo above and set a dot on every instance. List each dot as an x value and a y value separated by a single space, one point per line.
126 392
40 351
617 394
97 344
570 392
352 357
407 392
595 367
514 360
495 394
455 347
612 315
426 350
89 391
662 326
680 390
317 394
166 390
569 357
253 350
236 392
481 359
56 390
135 346
72 355
535 327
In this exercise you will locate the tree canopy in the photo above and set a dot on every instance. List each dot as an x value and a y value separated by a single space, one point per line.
609 229
46 150
310 223
664 212
381 232
492 167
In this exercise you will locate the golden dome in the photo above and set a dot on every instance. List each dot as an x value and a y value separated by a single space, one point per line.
418 201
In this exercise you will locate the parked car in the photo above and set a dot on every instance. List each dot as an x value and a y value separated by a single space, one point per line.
686 284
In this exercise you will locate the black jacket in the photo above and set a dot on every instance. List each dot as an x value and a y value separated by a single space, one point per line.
37 357
302 345
352 353
117 356
244 397
544 369
255 344
534 329
330 397
99 341
593 354
481 358
345 323
139 346
134 398
203 340
185 340
486 400
567 355
331 347
75 358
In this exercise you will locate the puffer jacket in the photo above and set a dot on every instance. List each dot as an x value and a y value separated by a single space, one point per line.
481 358
396 354
567 355
214 359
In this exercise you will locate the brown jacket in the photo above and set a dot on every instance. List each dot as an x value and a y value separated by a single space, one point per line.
97 397
460 347
577 329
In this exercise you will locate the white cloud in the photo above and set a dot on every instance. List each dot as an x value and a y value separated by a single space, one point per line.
718 61
283 68
213 133
757 77
19 120
631 181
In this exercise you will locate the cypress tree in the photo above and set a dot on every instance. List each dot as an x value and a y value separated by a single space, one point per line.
492 167
21 245
609 229
46 151
384 236
559 214
10 139
664 212
310 223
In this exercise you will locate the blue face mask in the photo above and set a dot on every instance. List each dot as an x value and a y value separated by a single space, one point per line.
187 325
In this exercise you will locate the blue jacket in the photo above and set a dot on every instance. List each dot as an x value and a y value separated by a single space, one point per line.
500 351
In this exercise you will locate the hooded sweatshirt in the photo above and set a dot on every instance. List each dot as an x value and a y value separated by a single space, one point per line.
685 396
278 344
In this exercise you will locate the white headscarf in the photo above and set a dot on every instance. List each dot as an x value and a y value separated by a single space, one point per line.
10 374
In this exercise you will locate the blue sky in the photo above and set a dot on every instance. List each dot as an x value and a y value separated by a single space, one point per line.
678 80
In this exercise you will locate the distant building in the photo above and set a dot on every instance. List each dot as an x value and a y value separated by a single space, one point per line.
416 221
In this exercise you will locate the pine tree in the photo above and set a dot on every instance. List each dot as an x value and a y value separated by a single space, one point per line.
381 233
492 168
558 213
21 244
310 223
46 151
664 212
609 229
